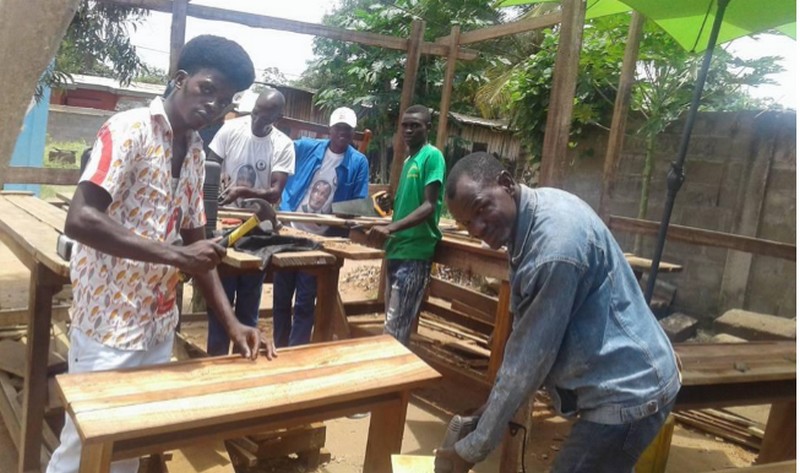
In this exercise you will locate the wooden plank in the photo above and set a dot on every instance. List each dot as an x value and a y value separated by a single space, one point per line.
781 467
96 458
473 312
85 387
780 436
177 35
562 94
302 259
12 317
190 394
37 353
472 258
643 264
292 441
13 359
385 435
240 456
699 236
30 239
406 98
453 292
506 29
622 105
450 71
440 309
502 330
11 419
41 211
31 175
280 24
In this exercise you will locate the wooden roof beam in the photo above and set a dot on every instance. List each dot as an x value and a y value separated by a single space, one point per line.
293 26
505 29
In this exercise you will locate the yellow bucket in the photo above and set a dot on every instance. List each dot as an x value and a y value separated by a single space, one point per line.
654 458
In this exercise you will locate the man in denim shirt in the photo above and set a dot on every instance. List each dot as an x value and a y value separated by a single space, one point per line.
581 330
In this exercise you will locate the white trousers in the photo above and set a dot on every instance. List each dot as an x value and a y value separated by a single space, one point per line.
87 355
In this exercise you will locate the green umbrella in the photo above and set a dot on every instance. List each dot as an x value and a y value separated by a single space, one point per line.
689 21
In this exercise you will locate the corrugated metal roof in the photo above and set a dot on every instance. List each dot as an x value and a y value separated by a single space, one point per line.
478 121
113 85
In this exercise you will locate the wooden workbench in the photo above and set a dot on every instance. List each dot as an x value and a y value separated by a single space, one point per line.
742 374
29 227
126 413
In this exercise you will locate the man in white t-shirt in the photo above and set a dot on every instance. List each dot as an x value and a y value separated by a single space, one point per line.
327 171
256 160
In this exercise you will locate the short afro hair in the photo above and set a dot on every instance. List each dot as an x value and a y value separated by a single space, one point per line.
481 167
420 109
224 55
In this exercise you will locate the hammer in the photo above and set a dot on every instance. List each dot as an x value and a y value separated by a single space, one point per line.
263 211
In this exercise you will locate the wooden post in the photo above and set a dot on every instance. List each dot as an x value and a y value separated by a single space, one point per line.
409 82
502 330
622 103
562 95
177 36
780 436
444 106
40 301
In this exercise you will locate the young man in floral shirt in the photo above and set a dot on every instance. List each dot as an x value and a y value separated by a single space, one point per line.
138 218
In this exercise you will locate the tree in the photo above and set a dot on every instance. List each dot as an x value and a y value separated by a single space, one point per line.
666 77
97 42
371 78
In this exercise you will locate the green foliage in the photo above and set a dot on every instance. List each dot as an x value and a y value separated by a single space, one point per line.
666 75
96 43
371 78
151 75
273 75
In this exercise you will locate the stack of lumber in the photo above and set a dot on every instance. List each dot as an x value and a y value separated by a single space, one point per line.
724 424
13 356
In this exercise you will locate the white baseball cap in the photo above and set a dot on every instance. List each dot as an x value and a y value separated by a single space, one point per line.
343 115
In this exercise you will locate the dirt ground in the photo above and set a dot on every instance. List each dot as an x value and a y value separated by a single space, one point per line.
429 410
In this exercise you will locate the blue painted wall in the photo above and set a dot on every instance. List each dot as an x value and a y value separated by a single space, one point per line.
29 149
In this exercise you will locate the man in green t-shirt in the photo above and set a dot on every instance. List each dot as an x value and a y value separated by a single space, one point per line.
412 236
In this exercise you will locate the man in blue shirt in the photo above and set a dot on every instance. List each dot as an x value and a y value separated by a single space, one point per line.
326 171
582 329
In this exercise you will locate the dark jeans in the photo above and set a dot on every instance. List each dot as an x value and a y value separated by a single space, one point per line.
288 330
244 293
602 448
406 281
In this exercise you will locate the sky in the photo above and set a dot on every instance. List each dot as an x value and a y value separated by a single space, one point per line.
289 52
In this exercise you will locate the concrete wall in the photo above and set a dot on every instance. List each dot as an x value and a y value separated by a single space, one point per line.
740 178
75 123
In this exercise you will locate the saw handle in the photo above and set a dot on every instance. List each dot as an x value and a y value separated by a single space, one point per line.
380 200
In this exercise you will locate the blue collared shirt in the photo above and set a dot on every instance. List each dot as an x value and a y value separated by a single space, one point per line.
582 329
352 173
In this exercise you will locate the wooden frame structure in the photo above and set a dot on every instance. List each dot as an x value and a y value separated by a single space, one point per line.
450 47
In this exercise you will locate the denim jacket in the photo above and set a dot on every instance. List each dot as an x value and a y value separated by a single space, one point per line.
352 173
581 330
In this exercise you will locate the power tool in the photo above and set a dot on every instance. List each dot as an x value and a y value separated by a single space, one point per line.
458 428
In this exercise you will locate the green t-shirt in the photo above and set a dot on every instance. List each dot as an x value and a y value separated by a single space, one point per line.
419 242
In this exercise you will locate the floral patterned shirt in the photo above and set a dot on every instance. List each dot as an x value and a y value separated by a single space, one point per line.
119 302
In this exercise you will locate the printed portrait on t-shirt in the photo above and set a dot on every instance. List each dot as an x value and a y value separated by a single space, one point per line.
246 176
318 197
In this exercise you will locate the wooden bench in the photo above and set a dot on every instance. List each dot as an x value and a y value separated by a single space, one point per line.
740 374
126 413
